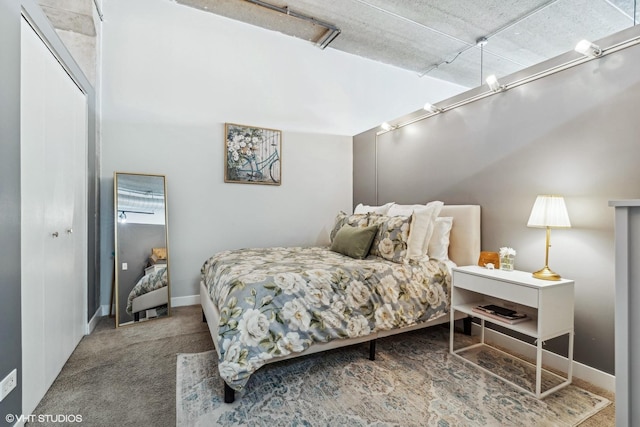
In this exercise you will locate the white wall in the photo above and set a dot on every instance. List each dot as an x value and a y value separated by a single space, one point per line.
173 75
168 62
205 214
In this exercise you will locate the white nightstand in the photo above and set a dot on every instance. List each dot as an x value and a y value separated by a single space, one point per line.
548 304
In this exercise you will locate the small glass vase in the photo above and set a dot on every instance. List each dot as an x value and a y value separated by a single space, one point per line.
506 262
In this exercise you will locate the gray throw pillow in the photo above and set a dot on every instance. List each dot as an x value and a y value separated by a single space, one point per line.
354 242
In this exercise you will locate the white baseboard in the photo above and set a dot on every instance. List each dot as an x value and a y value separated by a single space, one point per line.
555 361
94 321
105 309
188 300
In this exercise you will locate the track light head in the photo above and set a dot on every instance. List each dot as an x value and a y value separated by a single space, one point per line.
494 84
587 48
386 127
432 108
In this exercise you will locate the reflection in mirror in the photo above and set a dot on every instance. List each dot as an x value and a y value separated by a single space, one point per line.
141 248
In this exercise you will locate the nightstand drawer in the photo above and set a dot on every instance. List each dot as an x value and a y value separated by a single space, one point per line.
513 292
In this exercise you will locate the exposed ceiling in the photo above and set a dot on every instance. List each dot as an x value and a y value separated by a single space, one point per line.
439 38
140 193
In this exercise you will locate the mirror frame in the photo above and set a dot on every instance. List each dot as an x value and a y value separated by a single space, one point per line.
115 290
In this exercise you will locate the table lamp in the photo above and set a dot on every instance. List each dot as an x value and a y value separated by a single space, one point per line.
548 212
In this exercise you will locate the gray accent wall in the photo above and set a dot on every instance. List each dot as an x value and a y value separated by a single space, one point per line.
575 133
10 321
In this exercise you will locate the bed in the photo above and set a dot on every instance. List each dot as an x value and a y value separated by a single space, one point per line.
150 292
269 304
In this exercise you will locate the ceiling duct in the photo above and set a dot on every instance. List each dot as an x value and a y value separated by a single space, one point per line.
140 202
269 16
324 40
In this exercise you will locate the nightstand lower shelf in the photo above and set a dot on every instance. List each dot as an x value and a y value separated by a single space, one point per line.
551 381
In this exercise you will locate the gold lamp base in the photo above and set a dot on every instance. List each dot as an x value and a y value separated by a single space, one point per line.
546 274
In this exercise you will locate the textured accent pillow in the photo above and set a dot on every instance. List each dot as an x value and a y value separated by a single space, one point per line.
360 220
422 224
380 210
391 239
354 242
439 243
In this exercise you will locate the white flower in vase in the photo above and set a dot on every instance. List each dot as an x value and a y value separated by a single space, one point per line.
506 251
507 256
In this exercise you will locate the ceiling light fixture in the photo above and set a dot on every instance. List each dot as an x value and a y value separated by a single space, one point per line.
387 127
481 42
496 87
587 48
494 84
432 108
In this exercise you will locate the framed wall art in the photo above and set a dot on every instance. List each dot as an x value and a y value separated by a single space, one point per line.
253 155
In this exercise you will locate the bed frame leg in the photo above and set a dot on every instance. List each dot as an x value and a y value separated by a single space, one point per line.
136 317
229 394
204 318
466 325
372 350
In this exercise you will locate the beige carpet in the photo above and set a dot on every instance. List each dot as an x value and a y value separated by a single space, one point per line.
127 376
413 382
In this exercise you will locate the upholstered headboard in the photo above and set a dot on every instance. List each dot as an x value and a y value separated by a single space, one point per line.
464 246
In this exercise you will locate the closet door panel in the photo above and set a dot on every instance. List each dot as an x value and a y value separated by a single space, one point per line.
33 261
76 230
66 152
54 124
56 151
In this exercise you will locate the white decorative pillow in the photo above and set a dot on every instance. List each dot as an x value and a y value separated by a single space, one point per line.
403 210
422 224
437 207
380 210
439 243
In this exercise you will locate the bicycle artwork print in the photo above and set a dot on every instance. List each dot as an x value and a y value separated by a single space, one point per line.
252 155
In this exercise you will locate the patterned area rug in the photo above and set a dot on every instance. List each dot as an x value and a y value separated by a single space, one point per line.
414 381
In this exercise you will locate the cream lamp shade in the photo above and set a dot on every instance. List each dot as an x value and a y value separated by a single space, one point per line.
548 212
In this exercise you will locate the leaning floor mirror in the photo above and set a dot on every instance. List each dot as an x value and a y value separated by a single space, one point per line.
141 280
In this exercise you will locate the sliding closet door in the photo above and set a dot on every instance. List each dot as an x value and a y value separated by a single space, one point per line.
32 131
53 189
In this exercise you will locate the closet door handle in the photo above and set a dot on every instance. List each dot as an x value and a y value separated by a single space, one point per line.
69 230
54 234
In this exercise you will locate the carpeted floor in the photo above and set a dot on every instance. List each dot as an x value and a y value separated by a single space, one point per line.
414 381
127 376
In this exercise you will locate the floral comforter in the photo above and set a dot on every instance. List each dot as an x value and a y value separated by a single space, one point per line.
277 301
149 282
